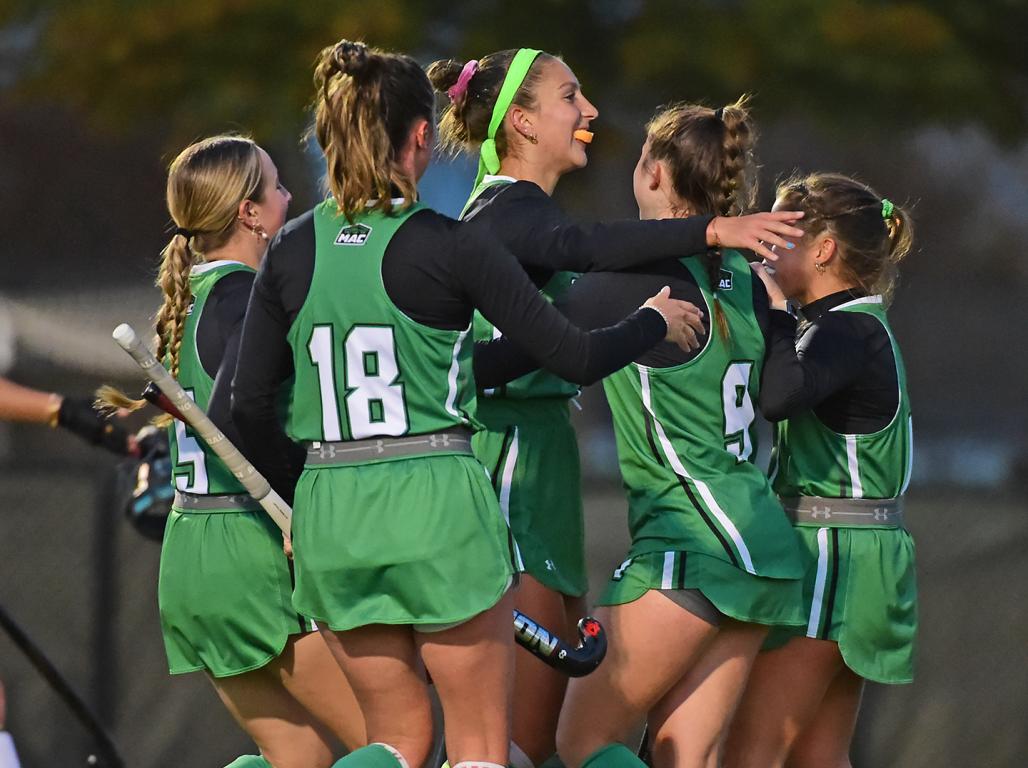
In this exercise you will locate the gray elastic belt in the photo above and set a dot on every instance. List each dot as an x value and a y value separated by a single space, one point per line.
844 513
456 440
192 502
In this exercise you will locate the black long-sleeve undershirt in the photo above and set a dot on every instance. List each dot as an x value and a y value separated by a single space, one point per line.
217 343
842 367
595 297
436 271
546 241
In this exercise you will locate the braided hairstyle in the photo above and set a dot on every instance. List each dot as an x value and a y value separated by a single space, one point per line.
206 183
365 103
709 154
873 234
465 123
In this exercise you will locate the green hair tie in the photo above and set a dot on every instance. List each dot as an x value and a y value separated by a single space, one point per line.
887 208
489 159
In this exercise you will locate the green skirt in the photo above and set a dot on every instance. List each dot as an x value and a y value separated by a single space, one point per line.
417 541
733 591
860 590
531 451
224 592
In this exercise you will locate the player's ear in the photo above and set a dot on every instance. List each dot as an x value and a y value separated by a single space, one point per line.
655 170
247 212
423 133
827 249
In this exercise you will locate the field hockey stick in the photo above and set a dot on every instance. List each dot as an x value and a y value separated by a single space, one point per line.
544 645
188 411
174 401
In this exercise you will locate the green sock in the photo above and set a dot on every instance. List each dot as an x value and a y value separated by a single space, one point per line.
613 756
249 761
371 756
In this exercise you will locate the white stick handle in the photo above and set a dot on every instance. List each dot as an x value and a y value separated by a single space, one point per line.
245 472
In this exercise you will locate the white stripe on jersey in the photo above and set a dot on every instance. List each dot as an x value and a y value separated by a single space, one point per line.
451 397
506 480
876 299
819 582
667 578
703 488
910 454
856 488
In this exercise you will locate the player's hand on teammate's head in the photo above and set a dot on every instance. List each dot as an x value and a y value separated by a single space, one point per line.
77 414
756 232
684 320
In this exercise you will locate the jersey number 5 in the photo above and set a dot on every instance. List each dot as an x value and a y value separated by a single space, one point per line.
738 409
374 401
194 477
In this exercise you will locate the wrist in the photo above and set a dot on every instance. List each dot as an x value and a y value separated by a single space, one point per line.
713 238
667 325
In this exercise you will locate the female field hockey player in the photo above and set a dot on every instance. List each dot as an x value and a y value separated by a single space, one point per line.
225 583
711 564
365 302
841 464
526 114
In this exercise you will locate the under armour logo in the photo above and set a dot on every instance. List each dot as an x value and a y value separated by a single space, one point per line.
881 513
816 512
327 451
437 441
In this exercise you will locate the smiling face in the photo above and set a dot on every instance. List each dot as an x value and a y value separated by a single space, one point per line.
560 109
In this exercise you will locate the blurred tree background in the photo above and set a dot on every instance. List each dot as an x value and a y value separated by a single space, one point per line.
927 101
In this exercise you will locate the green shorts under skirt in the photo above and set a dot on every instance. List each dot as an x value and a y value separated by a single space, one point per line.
734 592
860 591
409 541
224 592
531 451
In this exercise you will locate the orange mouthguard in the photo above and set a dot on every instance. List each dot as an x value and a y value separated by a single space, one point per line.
584 136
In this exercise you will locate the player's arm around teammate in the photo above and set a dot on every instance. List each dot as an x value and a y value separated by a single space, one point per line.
841 465
400 548
711 564
525 113
225 583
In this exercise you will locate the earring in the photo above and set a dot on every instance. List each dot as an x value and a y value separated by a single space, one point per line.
532 138
258 231
820 267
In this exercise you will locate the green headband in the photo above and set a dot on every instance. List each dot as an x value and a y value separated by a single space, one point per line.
489 160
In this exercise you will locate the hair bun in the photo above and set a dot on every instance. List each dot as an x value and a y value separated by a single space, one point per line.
351 58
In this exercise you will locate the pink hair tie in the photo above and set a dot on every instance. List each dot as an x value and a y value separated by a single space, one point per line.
459 90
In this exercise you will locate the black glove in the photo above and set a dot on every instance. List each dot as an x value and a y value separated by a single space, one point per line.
78 415
145 486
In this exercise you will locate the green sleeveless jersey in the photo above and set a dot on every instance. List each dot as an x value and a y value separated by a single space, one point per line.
362 367
538 383
686 442
197 469
809 459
